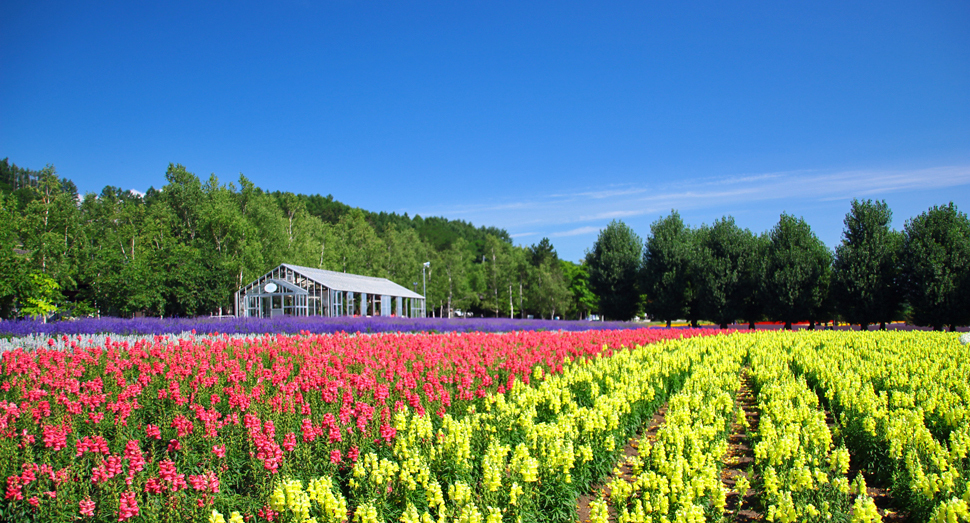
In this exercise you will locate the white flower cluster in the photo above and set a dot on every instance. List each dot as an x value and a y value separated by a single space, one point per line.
34 341
965 338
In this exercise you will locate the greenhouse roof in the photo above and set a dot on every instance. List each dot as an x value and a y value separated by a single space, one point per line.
342 281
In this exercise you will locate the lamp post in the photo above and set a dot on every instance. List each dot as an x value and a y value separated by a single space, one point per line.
424 278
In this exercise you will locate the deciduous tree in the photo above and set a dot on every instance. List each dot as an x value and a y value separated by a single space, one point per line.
613 264
665 276
936 267
866 268
797 272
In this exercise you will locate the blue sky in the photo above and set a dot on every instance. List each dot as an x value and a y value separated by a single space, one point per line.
544 118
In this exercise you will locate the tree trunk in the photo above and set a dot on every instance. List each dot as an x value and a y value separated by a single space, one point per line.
723 326
668 324
693 324
811 325
882 325
752 326
863 326
788 325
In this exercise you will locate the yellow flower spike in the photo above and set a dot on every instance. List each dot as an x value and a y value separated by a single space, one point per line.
494 515
410 515
598 512
235 517
216 517
864 510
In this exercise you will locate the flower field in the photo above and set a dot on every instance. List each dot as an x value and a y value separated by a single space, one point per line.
475 427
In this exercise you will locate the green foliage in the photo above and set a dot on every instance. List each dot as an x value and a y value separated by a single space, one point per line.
584 301
613 264
184 249
548 289
797 273
665 276
753 277
42 299
866 267
724 252
936 267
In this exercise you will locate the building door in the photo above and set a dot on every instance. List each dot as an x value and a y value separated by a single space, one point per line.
277 309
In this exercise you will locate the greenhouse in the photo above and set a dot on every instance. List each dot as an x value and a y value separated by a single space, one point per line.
291 290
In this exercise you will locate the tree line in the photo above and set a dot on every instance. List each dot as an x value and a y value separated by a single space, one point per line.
185 248
722 273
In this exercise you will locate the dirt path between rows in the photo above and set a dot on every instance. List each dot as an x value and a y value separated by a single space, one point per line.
632 448
739 460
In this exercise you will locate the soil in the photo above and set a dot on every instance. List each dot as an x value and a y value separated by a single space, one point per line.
739 460
632 448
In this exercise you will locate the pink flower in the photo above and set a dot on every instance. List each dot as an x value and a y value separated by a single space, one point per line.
127 506
14 487
55 437
388 432
335 456
289 442
219 450
174 445
87 507
133 453
153 431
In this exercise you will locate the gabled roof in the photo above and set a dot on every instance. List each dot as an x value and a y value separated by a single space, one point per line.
341 281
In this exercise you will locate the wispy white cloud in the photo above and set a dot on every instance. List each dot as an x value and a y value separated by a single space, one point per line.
523 234
577 232
545 214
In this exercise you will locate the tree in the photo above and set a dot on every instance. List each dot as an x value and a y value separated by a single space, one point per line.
577 278
665 272
448 279
723 252
613 265
43 298
357 248
936 267
866 268
49 230
405 254
14 267
499 276
753 278
548 290
798 271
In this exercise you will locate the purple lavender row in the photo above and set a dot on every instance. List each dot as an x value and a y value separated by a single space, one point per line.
293 325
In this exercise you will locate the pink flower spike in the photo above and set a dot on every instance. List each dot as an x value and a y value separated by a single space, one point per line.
87 507
127 506
219 450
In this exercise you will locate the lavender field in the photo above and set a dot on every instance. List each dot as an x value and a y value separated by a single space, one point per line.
292 325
